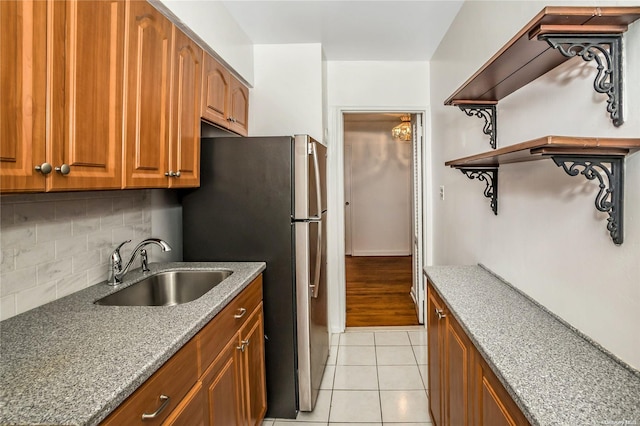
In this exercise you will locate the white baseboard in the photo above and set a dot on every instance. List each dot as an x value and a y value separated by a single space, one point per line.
380 252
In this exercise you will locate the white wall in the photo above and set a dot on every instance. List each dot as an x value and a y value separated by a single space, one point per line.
287 97
361 86
548 239
213 23
380 189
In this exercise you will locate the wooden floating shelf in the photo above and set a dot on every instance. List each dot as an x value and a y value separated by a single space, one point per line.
597 159
525 58
544 147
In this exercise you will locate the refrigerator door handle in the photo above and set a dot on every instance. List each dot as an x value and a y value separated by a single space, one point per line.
315 287
317 219
318 186
313 219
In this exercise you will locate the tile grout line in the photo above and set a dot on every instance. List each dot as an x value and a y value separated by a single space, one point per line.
375 351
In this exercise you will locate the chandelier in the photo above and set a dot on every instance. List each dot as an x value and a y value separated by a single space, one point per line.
403 130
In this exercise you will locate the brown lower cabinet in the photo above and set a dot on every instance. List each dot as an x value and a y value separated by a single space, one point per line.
217 378
462 388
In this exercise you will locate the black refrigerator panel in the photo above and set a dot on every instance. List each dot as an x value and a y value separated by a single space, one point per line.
242 212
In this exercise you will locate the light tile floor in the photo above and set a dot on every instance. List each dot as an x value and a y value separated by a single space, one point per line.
374 376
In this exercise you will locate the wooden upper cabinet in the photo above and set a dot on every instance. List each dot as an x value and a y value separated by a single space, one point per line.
23 78
86 63
184 160
225 100
239 122
216 89
147 96
67 58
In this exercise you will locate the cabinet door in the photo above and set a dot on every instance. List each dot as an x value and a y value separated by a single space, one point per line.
255 394
459 356
239 109
435 331
494 406
23 78
216 88
87 68
190 411
223 386
147 95
185 112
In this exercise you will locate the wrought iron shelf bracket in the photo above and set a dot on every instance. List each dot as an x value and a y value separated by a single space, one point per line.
489 114
490 177
609 172
606 51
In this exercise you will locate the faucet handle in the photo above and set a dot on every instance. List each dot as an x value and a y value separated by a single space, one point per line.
115 256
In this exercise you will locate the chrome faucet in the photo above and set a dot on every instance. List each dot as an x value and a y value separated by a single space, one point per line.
116 271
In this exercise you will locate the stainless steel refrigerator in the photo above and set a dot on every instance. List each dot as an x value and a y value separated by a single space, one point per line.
264 199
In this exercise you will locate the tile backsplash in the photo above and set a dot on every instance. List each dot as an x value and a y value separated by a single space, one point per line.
52 245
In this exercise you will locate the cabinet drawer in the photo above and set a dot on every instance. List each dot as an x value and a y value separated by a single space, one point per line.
215 335
174 379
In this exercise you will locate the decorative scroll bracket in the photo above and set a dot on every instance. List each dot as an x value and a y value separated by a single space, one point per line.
490 177
610 198
488 112
606 50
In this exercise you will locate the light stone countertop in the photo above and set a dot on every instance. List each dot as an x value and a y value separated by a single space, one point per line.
556 375
71 362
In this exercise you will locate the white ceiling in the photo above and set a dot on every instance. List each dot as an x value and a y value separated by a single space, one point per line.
352 30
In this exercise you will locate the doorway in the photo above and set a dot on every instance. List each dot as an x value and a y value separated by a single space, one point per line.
382 187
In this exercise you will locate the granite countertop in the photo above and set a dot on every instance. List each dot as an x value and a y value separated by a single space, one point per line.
72 362
556 375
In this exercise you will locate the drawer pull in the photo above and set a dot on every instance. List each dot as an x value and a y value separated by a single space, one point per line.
240 313
155 414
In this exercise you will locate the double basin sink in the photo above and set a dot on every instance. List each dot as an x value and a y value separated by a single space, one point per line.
166 288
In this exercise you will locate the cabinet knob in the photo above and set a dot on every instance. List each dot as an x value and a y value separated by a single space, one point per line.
177 174
44 168
64 169
440 314
169 173
231 119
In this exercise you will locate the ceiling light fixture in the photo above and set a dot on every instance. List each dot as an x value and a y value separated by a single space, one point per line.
402 131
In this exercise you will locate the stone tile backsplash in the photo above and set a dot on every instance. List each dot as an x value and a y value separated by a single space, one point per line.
52 245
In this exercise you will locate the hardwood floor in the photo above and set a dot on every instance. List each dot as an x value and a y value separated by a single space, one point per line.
378 291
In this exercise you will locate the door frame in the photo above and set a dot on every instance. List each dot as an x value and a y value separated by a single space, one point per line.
335 197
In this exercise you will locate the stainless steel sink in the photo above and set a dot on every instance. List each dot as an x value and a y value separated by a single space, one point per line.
166 289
